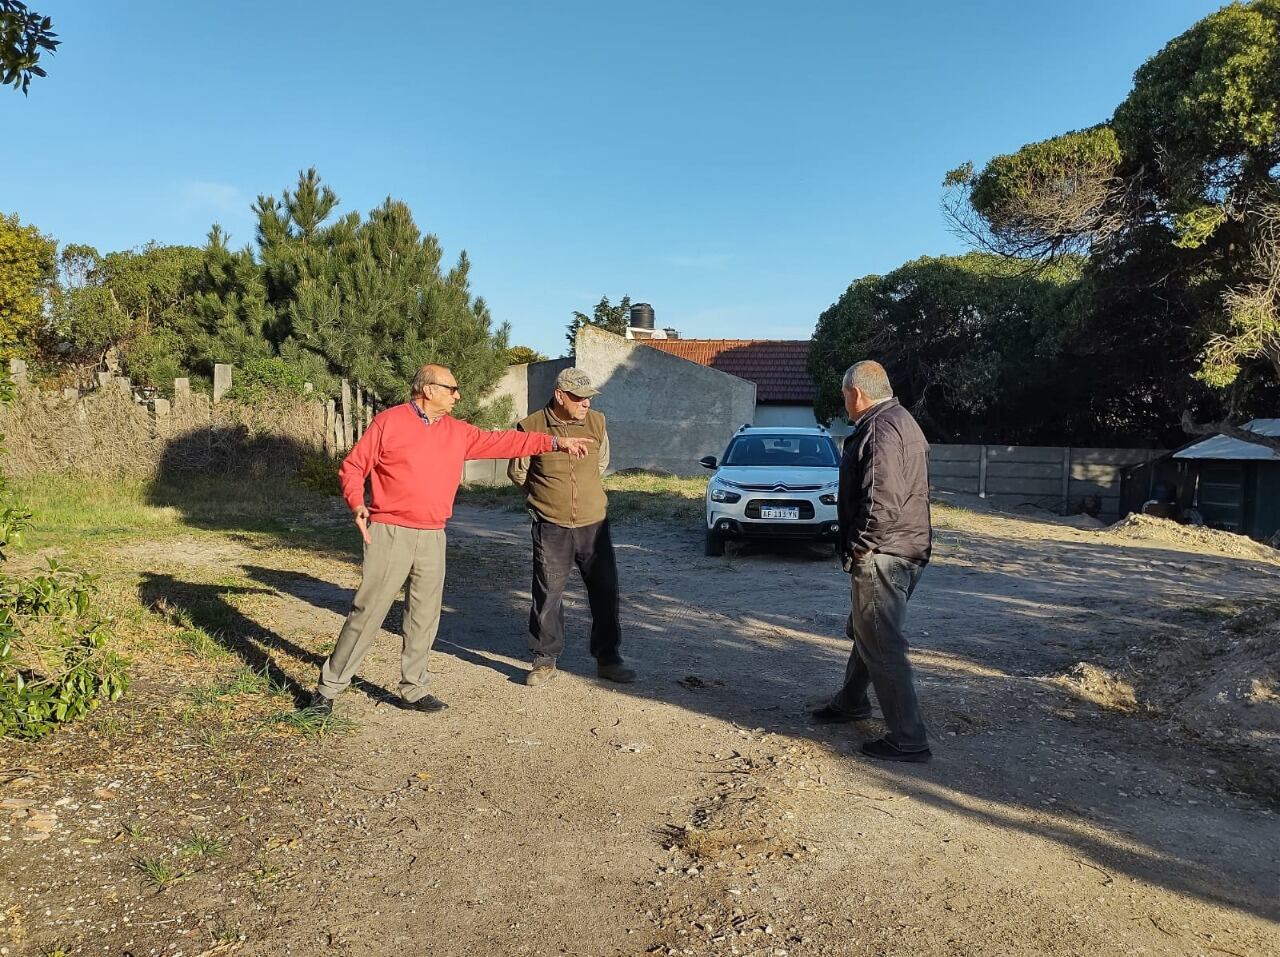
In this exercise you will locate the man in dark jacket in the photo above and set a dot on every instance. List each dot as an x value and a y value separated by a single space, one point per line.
886 540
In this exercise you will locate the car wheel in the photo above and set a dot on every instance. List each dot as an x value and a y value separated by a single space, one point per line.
714 545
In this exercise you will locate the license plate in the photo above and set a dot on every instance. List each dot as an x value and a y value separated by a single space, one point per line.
769 512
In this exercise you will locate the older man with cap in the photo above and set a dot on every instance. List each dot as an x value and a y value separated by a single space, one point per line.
413 456
570 527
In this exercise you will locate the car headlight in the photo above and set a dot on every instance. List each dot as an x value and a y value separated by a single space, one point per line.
724 495
828 499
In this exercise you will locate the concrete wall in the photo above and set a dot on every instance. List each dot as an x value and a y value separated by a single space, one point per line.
664 412
1052 477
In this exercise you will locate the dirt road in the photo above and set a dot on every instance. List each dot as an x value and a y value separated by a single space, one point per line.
697 811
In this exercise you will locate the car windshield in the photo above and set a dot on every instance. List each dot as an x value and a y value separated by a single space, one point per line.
783 451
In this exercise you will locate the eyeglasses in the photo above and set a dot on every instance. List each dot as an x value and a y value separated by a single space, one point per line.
452 388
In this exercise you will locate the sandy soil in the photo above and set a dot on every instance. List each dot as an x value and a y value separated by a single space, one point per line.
698 811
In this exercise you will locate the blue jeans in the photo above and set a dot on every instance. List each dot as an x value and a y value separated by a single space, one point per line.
881 586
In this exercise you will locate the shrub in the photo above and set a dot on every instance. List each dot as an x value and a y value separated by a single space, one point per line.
320 474
259 379
54 666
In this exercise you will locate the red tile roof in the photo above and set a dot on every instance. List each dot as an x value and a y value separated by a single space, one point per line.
778 367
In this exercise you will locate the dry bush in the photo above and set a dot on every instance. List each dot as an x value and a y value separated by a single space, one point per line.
106 435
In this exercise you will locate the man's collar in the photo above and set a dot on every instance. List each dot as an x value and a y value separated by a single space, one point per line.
423 416
871 408
555 419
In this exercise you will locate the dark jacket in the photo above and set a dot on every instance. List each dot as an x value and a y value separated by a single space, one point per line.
883 503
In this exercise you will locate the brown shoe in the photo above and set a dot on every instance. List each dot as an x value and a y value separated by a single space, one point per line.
540 674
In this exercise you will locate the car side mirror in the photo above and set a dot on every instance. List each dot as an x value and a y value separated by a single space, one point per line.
707 461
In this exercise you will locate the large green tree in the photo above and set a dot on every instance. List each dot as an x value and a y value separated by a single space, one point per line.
604 316
338 296
27 270
135 304
974 345
1179 189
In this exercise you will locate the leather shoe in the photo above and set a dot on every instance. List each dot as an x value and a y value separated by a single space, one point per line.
616 672
319 704
886 750
540 674
830 715
427 704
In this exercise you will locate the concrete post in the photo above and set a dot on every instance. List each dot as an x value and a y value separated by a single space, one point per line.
1066 480
70 395
221 380
357 425
982 472
104 379
346 415
181 389
160 416
330 418
122 383
18 372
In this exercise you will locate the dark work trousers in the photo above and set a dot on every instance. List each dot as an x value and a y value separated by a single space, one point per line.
556 550
881 587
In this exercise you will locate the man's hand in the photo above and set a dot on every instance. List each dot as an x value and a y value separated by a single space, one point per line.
362 523
577 448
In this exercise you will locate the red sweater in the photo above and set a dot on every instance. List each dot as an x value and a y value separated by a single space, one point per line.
417 467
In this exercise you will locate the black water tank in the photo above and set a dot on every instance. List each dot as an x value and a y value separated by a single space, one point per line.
642 316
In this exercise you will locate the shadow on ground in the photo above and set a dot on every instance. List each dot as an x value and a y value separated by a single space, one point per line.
760 633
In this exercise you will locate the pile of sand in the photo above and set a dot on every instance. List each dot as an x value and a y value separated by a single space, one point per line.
1219 685
1148 528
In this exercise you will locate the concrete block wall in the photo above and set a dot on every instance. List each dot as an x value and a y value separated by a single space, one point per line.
1055 478
664 412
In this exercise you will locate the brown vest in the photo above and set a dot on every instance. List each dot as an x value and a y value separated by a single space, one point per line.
562 490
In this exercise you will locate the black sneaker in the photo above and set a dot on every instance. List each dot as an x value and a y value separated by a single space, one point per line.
831 715
428 704
319 704
616 672
886 750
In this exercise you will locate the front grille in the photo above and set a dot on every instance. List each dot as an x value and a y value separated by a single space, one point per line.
755 504
780 487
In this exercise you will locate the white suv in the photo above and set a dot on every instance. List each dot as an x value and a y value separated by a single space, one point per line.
773 483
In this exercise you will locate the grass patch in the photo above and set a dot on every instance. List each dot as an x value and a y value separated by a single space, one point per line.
69 512
633 498
309 723
159 872
201 644
654 498
202 845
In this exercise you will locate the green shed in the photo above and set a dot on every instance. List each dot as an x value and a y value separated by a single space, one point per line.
1236 484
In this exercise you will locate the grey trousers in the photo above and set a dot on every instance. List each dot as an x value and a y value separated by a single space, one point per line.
880 589
397 555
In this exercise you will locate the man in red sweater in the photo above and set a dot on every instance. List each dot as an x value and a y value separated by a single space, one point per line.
413 455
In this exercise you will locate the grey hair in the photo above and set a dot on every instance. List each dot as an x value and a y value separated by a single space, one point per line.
424 377
869 377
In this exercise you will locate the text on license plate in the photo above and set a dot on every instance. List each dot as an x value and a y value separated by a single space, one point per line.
771 512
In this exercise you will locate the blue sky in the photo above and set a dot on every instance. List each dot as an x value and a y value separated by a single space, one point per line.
736 164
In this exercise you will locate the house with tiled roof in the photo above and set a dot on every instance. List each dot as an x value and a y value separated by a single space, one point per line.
778 368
